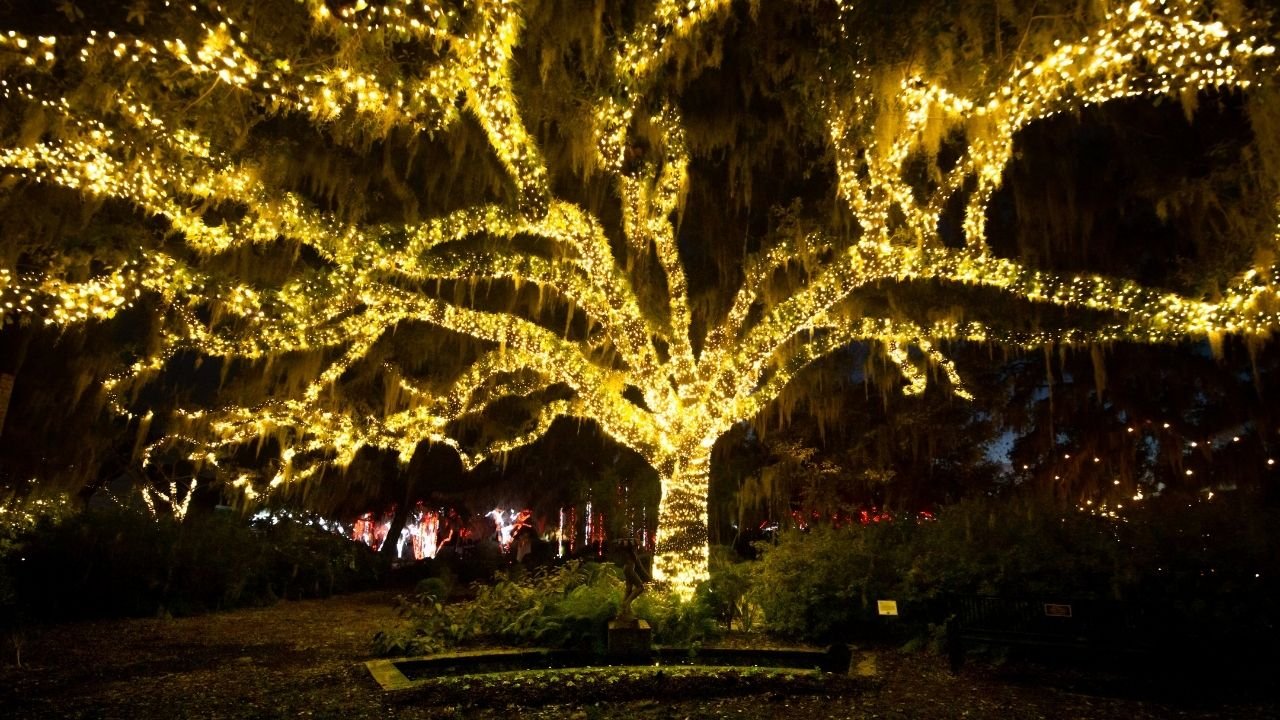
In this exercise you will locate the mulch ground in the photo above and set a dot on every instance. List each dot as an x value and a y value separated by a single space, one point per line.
305 660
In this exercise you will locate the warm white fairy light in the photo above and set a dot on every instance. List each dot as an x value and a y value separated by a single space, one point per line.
131 149
178 502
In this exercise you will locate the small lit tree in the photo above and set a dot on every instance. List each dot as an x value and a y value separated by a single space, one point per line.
454 222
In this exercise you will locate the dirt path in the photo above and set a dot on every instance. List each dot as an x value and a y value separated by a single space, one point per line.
294 659
305 660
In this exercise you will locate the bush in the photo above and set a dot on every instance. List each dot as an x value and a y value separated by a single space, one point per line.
568 606
1199 570
825 583
1012 547
727 594
306 561
676 621
105 562
113 562
565 606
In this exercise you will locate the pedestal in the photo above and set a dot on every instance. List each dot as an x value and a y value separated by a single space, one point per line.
630 638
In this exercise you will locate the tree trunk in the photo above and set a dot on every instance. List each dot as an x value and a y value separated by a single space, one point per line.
681 555
389 544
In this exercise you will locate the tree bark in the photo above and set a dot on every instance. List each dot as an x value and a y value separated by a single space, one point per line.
681 556
389 543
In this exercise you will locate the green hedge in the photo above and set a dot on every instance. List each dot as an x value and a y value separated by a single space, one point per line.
113 562
1210 569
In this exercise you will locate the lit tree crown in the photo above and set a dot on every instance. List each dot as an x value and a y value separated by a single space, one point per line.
481 209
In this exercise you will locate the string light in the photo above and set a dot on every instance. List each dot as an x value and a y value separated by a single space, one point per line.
178 502
136 147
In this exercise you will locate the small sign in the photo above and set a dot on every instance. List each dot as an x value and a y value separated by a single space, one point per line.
887 607
1057 610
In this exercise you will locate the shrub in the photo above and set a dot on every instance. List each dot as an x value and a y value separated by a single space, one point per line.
1011 547
113 561
825 583
727 594
568 606
565 606
1200 570
676 621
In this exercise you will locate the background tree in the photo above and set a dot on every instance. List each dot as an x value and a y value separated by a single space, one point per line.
394 224
1108 429
843 440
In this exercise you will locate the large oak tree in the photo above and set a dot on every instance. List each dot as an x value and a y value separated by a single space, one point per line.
396 223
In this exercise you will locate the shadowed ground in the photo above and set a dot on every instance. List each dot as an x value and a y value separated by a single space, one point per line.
305 659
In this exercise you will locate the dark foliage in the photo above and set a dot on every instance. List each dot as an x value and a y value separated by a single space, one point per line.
113 562
1203 573
568 606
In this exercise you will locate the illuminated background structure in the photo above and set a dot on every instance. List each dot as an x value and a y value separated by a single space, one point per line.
392 224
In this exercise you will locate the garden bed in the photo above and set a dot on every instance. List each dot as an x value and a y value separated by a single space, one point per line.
500 661
617 684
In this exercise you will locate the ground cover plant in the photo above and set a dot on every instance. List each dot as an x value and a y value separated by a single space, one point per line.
564 606
621 684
